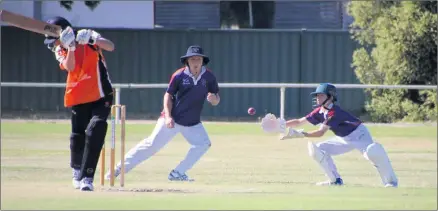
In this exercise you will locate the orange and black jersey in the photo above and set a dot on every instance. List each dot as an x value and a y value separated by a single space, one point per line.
89 81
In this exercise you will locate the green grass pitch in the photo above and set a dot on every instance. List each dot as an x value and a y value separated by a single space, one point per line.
244 169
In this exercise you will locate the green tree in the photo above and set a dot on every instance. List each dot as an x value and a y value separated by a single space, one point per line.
68 4
399 46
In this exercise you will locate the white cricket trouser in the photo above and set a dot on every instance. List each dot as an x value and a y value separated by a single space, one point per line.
161 135
358 139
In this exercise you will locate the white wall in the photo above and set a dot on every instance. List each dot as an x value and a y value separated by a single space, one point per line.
108 14
20 7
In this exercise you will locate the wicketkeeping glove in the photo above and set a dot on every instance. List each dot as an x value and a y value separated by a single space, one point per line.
292 133
271 124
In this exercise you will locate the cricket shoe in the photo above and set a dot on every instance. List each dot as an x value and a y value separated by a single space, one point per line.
76 181
338 182
116 173
87 184
176 176
391 185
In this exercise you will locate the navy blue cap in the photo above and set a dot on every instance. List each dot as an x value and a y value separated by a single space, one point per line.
195 50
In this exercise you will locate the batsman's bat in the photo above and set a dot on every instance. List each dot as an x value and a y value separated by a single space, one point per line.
30 24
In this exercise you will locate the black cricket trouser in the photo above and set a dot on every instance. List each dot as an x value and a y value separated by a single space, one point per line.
89 128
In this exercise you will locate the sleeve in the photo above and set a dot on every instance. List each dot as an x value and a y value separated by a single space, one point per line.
172 88
213 86
312 117
60 55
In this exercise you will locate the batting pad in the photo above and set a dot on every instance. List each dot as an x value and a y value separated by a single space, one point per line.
320 158
377 155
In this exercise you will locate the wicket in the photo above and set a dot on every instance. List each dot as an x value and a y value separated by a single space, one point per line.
113 147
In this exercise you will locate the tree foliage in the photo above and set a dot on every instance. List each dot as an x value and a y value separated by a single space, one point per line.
90 4
399 46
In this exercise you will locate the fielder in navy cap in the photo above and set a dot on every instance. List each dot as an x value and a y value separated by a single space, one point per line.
184 99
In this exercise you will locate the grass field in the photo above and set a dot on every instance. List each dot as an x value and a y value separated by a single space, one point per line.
244 169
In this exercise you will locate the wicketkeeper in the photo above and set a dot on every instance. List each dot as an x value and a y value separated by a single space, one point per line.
88 93
350 134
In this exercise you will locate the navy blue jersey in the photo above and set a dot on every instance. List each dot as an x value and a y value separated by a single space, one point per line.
340 122
189 95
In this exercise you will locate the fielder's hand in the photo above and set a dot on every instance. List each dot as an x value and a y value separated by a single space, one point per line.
67 39
271 124
212 98
87 36
292 133
169 122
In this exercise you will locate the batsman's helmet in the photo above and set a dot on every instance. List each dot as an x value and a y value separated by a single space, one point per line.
60 21
195 50
325 88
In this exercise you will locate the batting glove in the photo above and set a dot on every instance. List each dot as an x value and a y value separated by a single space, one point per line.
67 39
87 36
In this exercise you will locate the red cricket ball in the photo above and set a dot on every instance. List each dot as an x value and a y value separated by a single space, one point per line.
251 111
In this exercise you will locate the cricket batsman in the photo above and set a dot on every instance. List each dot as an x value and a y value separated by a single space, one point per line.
183 102
88 93
350 134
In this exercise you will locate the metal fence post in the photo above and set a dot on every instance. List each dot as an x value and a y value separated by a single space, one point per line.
282 101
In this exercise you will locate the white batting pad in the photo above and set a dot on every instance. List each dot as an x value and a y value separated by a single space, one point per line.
377 155
321 159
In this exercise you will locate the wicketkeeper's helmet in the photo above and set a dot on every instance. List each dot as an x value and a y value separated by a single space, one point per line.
324 88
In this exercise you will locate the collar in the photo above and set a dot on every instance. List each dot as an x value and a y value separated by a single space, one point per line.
195 80
325 109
